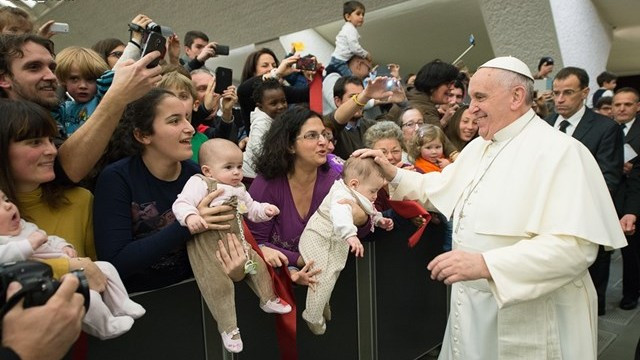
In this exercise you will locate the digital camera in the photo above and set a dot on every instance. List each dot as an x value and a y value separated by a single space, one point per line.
37 282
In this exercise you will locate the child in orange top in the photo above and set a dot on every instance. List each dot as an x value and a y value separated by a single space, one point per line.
432 151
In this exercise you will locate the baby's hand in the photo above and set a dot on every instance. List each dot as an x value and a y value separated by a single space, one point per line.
196 224
271 210
385 223
69 251
37 238
356 246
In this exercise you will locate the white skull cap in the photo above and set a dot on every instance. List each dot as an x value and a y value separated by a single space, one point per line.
509 63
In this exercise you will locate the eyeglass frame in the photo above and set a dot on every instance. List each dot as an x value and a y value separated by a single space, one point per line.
315 136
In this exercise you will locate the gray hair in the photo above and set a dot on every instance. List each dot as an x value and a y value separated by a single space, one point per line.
510 79
201 70
383 130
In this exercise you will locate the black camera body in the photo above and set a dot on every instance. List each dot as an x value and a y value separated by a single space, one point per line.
37 282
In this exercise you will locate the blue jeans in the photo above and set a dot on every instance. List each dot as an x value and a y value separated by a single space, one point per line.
339 66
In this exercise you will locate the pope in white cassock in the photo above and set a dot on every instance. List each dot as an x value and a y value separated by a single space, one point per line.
529 207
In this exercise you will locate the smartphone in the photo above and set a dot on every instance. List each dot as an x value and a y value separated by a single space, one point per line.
306 63
222 49
224 79
155 42
59 28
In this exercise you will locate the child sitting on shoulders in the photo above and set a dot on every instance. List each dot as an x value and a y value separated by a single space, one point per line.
221 164
86 78
433 151
330 233
347 40
110 314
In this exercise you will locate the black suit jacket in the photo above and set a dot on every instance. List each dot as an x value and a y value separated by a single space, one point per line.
604 139
627 198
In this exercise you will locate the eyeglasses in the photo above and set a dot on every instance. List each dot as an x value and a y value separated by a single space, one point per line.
411 124
315 136
115 54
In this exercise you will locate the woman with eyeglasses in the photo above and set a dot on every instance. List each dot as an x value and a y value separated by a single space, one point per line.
110 50
431 88
409 121
294 176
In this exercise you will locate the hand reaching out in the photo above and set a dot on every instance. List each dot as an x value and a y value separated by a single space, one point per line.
306 276
385 223
196 224
356 246
173 49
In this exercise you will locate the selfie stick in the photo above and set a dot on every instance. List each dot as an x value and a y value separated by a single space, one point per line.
472 42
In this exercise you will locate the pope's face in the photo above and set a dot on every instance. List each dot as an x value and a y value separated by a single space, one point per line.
490 102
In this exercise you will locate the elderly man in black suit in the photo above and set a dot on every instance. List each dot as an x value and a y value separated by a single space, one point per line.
626 103
602 136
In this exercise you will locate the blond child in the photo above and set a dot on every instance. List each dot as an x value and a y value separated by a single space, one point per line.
430 149
86 78
110 314
348 39
433 151
221 164
330 233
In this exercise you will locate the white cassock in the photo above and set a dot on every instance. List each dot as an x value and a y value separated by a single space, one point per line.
533 201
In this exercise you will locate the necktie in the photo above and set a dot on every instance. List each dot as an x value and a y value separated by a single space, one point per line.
563 125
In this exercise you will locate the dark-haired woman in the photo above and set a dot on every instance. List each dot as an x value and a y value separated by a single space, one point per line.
431 87
137 231
110 50
292 174
27 178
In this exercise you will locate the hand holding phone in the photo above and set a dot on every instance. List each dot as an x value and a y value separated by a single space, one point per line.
154 42
59 28
224 79
307 63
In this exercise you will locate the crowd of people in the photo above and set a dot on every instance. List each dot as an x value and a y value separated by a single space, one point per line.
230 185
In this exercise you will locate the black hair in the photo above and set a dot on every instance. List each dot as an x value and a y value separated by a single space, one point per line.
249 69
339 89
262 86
434 74
105 46
606 77
351 6
276 159
137 116
604 100
11 48
582 75
190 36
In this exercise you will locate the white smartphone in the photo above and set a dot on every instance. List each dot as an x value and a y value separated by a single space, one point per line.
59 28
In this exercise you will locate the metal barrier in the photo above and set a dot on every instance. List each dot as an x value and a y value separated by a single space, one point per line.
383 307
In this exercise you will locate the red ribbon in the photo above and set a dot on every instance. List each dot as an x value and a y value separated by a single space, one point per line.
285 323
409 209
315 92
